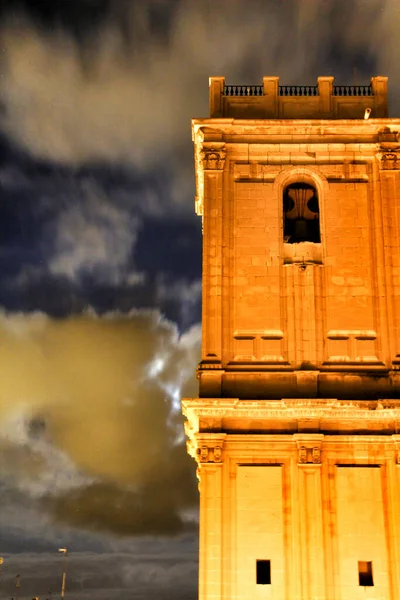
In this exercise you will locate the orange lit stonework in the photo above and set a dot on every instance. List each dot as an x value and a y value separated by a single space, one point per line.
296 430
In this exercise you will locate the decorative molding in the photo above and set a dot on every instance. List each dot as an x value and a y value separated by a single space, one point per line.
209 365
389 160
259 339
213 156
309 449
388 149
205 448
209 156
340 414
209 454
316 455
302 455
350 340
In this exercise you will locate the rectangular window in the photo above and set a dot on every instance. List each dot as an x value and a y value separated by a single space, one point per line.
263 572
365 573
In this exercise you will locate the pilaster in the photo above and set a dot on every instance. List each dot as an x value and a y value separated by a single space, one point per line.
207 449
213 160
310 517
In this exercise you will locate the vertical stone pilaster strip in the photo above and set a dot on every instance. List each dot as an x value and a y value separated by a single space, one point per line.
390 489
212 265
330 528
227 193
320 312
301 319
313 567
229 581
309 298
310 515
291 308
391 232
210 554
378 265
298 314
296 587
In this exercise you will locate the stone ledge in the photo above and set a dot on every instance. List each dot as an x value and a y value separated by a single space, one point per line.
291 416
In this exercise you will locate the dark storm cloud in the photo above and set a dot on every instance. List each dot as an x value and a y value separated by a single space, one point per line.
90 425
73 238
96 184
107 88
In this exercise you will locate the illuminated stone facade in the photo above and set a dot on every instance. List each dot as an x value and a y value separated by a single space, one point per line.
296 430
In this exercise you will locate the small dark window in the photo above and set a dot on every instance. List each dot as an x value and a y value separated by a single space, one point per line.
365 573
301 214
263 572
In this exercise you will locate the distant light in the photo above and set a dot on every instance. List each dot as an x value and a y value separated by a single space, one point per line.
63 550
367 113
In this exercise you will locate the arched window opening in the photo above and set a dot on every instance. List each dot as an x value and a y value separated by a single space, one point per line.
301 214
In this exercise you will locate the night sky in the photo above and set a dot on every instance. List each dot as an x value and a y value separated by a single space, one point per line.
100 264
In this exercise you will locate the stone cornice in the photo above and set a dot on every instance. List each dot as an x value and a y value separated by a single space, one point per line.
334 141
210 129
275 411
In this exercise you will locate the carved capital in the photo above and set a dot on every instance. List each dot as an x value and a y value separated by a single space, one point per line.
316 455
204 446
302 459
209 454
213 156
309 451
389 158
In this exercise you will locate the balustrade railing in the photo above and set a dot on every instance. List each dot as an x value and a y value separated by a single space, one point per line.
243 90
298 90
352 90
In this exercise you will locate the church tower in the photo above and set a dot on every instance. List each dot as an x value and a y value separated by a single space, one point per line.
296 430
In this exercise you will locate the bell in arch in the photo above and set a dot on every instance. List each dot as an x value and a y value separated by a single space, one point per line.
301 214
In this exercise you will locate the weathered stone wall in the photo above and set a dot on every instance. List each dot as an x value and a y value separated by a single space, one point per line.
296 431
314 504
275 307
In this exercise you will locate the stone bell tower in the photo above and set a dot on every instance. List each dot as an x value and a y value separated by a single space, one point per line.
296 430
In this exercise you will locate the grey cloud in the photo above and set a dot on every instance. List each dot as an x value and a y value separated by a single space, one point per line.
95 238
188 292
133 99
